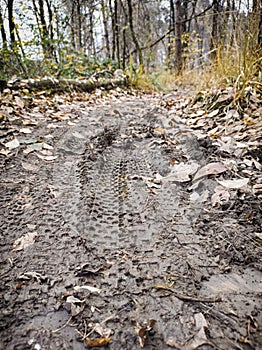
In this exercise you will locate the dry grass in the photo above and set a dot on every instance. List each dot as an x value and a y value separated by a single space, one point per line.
230 67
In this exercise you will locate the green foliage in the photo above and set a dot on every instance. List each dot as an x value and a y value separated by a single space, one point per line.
138 78
69 64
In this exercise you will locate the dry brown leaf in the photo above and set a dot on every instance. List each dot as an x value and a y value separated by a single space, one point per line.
235 183
103 332
19 102
221 196
182 172
210 169
142 331
91 343
77 305
199 338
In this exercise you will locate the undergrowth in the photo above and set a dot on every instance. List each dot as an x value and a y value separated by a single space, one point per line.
232 67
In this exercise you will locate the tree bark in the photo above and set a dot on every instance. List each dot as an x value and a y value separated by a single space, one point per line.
259 39
170 37
105 24
178 36
131 25
50 28
116 79
3 32
10 8
257 21
116 29
79 24
214 33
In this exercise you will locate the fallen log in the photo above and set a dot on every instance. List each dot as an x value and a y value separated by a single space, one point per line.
112 80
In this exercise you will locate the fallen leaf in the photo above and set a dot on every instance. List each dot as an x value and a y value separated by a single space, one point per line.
258 235
182 172
142 331
160 131
198 339
76 309
91 343
25 241
89 288
257 188
221 196
46 152
29 166
25 131
234 184
29 122
12 144
103 332
19 102
47 146
210 169
77 305
48 158
213 113
36 146
71 299
4 152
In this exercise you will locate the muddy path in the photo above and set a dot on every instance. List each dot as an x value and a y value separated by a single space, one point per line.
123 243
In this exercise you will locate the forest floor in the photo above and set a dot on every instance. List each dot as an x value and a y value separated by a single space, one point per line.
128 221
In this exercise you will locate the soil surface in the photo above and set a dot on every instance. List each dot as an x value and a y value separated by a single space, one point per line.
114 241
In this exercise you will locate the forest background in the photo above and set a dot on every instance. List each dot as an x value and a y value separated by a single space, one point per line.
157 43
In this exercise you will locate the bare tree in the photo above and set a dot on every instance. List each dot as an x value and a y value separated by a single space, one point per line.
11 23
105 24
3 32
133 34
178 35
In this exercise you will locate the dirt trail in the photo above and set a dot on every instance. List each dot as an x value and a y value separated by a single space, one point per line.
123 237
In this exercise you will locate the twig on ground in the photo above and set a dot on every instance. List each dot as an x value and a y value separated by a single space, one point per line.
65 325
189 298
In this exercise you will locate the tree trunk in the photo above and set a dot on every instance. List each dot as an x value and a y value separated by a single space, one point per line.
137 46
256 19
45 36
170 37
178 36
116 29
3 32
79 24
214 32
113 42
10 8
50 29
259 39
105 24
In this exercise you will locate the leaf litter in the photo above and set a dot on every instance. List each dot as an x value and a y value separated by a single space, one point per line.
197 340
124 272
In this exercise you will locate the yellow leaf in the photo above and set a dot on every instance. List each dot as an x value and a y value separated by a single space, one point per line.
91 343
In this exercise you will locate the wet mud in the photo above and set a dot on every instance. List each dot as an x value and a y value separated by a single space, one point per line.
122 239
